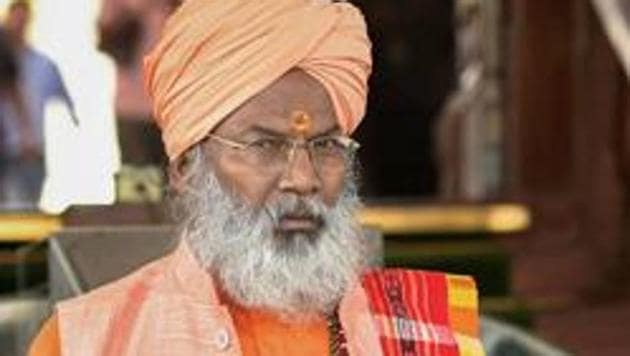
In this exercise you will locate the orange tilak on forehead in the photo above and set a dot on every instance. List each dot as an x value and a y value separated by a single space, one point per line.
301 123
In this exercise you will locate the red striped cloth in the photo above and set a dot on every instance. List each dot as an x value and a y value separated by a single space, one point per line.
424 313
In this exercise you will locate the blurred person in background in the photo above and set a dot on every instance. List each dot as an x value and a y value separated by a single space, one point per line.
37 81
10 96
256 101
128 29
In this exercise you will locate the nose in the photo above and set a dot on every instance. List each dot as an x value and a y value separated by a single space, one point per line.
300 176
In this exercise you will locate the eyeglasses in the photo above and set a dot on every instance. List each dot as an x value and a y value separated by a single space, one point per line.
272 153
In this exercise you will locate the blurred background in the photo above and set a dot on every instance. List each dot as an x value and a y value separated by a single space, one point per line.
497 144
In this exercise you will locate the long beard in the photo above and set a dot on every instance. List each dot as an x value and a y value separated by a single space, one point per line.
294 275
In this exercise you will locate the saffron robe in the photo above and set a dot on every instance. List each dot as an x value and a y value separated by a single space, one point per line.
171 307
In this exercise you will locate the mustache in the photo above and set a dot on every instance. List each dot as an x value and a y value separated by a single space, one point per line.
295 206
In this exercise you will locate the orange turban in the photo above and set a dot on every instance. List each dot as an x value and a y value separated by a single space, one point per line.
216 54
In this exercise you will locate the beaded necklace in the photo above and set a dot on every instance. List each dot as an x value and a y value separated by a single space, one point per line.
336 338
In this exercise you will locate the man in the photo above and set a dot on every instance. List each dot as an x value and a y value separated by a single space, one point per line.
256 100
11 95
38 82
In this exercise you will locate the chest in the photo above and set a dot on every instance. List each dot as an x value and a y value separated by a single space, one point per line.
260 334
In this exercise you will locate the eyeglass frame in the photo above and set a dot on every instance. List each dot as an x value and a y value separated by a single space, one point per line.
348 143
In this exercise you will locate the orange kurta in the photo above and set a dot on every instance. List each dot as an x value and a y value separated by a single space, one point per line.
260 334
47 342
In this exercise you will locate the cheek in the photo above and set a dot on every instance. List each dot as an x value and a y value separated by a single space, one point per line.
332 185
249 185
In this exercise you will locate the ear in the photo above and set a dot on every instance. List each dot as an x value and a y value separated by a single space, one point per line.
177 173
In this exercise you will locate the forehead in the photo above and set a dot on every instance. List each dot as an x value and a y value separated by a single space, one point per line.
274 108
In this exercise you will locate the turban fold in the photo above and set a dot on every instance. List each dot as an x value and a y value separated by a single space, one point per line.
214 55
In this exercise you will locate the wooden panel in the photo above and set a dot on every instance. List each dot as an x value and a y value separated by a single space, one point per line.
539 94
598 191
567 147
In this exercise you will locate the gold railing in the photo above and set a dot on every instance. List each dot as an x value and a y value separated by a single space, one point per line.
24 227
493 218
394 219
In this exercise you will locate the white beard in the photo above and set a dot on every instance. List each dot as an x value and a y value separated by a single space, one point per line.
296 276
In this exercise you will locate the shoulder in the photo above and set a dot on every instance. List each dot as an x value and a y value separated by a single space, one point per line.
109 295
407 291
88 321
426 297
39 62
33 56
37 55
432 281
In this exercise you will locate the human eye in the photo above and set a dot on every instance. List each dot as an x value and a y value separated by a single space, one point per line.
327 145
267 150
267 144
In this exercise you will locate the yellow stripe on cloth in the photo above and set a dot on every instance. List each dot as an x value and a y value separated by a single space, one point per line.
464 321
462 292
463 305
469 346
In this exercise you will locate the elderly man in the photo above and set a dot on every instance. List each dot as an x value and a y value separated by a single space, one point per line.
256 100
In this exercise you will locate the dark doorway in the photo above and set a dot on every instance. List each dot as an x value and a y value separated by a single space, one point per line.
414 59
